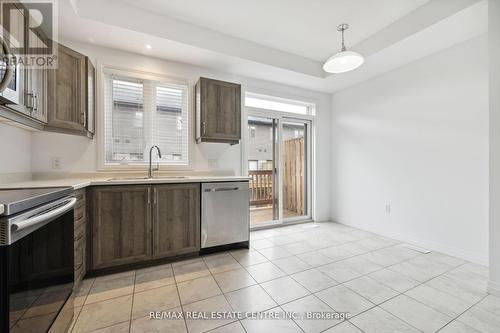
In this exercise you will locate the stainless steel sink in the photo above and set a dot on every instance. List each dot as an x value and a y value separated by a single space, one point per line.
171 177
146 178
127 178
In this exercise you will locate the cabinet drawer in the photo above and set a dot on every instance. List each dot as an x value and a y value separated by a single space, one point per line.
79 274
79 233
80 197
79 246
79 214
79 255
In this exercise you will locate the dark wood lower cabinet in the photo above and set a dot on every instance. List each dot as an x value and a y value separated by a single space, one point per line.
80 231
176 219
121 225
134 224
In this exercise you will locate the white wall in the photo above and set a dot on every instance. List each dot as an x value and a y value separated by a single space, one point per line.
15 148
494 81
416 139
79 154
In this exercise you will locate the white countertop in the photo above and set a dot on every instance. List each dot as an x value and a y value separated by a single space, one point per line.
78 183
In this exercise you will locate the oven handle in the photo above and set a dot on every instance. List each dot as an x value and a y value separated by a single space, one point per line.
44 217
9 70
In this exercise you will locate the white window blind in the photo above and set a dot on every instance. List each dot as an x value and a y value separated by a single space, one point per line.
140 113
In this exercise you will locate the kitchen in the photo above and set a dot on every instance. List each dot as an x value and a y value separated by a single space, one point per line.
197 168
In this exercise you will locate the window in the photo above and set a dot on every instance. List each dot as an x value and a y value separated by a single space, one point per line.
278 104
251 130
139 113
253 165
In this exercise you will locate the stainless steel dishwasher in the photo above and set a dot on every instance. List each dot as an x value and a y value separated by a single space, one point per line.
224 214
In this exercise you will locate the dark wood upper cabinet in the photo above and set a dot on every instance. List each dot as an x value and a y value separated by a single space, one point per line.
218 111
59 100
176 219
31 81
121 225
69 90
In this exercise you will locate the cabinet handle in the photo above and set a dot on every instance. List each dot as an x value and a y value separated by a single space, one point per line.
220 189
29 102
204 127
149 196
155 195
35 102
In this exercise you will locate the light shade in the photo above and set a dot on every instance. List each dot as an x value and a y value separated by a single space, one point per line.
342 62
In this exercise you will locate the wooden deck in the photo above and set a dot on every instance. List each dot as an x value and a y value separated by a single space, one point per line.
259 216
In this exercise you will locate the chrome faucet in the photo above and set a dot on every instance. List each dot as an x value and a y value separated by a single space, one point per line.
150 170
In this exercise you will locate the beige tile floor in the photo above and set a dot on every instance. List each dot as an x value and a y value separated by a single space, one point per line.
320 268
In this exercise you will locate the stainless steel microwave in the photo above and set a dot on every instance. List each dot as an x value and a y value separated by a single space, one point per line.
10 77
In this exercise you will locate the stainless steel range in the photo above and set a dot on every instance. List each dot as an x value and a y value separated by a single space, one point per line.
36 258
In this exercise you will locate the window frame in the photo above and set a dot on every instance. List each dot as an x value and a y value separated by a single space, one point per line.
102 165
310 107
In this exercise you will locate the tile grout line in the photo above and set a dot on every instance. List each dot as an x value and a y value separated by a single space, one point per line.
383 267
220 289
132 305
386 267
460 314
281 305
258 284
179 297
339 283
403 293
420 283
84 301
245 268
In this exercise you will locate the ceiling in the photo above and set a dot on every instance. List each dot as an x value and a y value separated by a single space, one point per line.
302 27
283 41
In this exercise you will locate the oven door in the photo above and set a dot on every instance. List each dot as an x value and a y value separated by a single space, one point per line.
37 271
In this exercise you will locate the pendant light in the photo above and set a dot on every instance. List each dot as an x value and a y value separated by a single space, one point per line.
343 61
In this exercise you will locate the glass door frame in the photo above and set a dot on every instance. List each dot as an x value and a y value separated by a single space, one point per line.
307 174
281 117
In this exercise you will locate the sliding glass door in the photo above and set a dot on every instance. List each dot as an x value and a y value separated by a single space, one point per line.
262 168
278 153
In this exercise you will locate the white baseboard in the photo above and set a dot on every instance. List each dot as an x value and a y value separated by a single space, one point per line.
472 256
493 288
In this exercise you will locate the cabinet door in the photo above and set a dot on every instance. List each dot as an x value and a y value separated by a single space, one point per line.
36 79
66 95
176 219
90 97
121 225
221 110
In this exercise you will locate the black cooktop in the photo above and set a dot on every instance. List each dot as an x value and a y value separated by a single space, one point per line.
13 201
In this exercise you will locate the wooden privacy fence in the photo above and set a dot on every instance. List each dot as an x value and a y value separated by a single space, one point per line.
261 187
261 182
293 175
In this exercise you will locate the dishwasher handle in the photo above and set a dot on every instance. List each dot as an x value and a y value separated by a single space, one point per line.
220 189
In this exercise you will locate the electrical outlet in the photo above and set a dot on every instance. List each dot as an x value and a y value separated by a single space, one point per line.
387 208
56 163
